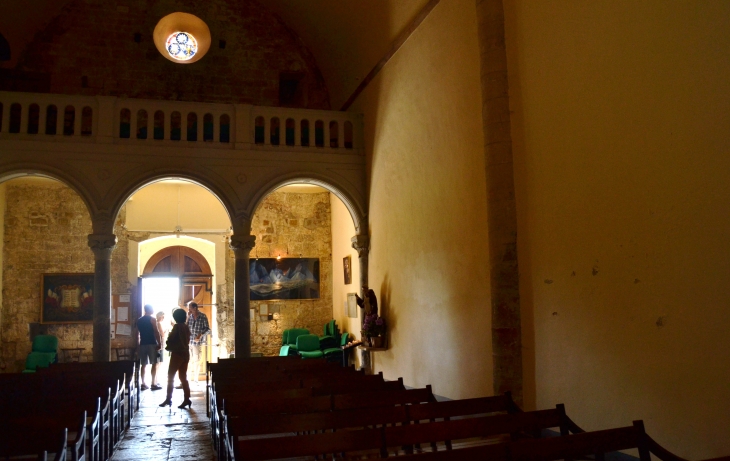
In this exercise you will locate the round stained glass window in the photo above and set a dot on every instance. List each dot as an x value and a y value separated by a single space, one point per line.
182 46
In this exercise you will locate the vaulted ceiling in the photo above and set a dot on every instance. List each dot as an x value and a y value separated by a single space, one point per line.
347 37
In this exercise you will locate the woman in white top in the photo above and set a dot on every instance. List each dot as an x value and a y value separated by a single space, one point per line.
163 334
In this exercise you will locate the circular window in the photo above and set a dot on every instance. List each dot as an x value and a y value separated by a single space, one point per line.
182 38
182 46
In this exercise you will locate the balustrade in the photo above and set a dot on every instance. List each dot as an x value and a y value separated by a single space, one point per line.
33 116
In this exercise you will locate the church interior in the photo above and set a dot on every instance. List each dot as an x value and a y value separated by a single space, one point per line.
534 191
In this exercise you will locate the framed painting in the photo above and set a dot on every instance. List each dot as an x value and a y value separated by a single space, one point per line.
347 267
67 298
286 278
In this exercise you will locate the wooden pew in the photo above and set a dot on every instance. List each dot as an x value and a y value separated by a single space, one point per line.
380 439
68 389
573 446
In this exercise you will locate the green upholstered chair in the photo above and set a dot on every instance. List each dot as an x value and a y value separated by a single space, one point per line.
331 335
334 354
44 352
284 350
291 339
308 347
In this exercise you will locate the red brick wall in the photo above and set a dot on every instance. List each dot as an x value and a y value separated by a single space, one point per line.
95 39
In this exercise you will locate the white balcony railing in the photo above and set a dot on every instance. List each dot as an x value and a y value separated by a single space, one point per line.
104 119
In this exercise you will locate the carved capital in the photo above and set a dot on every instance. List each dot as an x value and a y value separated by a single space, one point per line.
361 243
102 245
242 245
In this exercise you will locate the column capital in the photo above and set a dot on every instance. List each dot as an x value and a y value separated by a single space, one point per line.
242 245
361 243
102 245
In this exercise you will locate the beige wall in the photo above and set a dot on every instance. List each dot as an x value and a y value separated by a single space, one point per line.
155 208
343 230
428 260
620 127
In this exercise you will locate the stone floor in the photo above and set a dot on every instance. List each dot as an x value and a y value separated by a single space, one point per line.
168 434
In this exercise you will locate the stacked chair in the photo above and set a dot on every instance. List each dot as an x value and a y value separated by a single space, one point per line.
281 407
299 342
78 411
43 353
289 341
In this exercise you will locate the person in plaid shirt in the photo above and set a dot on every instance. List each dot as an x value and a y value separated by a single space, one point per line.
199 329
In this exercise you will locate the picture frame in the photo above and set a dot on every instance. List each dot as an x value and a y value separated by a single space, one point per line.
67 298
347 268
284 278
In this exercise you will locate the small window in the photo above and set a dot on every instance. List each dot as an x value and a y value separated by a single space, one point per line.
334 135
69 121
208 127
159 128
175 126
290 89
275 130
290 125
87 120
51 119
141 124
319 133
225 134
348 135
125 117
305 133
259 130
34 113
15 112
192 127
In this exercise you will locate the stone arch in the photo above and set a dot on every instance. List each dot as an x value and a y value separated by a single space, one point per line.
135 184
356 207
8 172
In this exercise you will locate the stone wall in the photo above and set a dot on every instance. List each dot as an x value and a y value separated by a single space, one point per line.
291 225
46 229
113 54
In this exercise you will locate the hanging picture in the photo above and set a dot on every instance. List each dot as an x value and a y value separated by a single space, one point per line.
286 278
67 298
347 266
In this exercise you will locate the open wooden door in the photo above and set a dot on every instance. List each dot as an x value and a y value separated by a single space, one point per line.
196 282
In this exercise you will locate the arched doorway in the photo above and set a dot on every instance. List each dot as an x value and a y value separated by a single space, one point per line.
174 277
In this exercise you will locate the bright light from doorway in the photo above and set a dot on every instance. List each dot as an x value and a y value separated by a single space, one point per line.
162 293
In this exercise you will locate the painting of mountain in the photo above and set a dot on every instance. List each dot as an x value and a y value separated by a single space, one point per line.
285 278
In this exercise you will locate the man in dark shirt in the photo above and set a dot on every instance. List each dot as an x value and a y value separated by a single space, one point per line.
149 344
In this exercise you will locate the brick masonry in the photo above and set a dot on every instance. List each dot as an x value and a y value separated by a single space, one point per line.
106 59
502 215
293 225
46 229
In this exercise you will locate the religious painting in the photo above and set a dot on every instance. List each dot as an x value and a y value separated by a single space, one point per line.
284 278
67 298
347 266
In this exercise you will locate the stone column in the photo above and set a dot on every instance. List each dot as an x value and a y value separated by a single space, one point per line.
501 209
361 243
102 245
241 246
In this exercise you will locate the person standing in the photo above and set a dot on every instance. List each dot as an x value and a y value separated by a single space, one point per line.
178 342
199 329
160 316
149 343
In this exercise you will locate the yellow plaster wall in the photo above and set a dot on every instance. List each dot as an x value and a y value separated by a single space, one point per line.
429 252
155 208
343 230
620 117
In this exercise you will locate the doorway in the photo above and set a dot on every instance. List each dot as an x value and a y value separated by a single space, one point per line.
172 278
